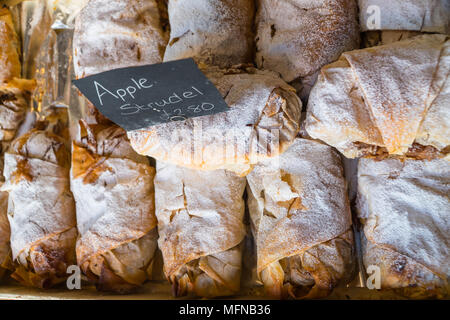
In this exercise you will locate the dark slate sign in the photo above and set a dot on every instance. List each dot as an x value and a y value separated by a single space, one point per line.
143 96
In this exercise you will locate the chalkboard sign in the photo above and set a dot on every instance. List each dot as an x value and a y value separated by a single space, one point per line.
143 96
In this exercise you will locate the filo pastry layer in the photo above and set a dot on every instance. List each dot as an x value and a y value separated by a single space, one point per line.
200 223
386 100
41 209
404 207
262 121
301 221
112 34
412 15
114 194
298 37
213 32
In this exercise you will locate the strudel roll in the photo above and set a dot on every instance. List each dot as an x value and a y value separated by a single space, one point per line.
111 34
200 223
114 195
262 121
404 207
301 222
297 37
213 32
386 100
412 15
41 209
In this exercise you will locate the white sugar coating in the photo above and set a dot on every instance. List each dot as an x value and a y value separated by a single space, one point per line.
298 37
310 173
215 32
114 194
406 209
200 213
415 15
40 202
383 96
234 139
111 34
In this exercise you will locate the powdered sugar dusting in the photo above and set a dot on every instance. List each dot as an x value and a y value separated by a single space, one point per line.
199 213
298 37
383 95
40 202
418 15
114 194
117 33
297 201
247 94
215 32
405 206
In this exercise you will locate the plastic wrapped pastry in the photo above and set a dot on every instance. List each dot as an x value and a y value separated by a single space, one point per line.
14 92
41 210
213 32
301 221
412 15
111 34
404 206
298 37
114 195
200 223
9 48
386 100
263 121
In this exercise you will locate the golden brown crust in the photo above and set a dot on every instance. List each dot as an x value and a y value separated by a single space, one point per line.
314 273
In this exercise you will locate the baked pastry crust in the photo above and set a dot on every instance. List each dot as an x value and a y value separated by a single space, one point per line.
412 15
296 38
118 33
111 34
213 32
41 210
114 195
388 99
404 209
262 121
301 221
200 223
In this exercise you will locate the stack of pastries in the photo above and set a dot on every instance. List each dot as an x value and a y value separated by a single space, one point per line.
302 96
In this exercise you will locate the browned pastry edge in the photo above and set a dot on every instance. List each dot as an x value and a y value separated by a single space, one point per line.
415 152
406 273
52 265
324 279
